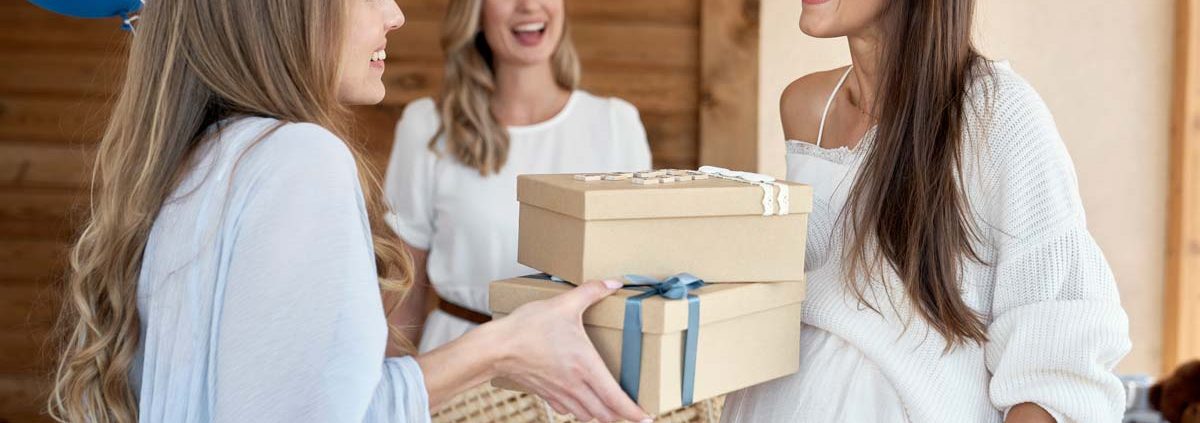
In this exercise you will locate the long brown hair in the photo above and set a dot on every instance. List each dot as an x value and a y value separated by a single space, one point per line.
908 205
192 64
473 135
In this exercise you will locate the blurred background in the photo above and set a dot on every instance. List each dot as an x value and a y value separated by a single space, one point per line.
1122 80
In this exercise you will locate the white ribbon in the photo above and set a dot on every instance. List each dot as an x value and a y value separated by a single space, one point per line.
751 177
766 182
784 199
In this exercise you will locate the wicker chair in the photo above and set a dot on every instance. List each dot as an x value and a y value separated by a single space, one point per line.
487 404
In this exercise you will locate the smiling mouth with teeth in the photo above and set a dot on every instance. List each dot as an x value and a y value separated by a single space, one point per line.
379 56
530 27
529 33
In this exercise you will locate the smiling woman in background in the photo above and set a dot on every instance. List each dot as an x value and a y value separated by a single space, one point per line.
509 107
236 251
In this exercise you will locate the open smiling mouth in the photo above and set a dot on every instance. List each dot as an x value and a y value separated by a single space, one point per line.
529 34
378 57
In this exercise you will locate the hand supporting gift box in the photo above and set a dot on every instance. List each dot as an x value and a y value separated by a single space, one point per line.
736 229
675 287
668 351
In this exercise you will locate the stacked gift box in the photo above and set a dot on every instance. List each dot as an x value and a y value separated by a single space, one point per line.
713 262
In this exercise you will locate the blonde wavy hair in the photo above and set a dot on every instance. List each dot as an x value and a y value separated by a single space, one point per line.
193 63
473 135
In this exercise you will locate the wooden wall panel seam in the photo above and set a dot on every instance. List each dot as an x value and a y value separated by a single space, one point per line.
1181 332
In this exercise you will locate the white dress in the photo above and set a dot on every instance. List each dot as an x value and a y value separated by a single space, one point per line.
258 298
1054 321
468 222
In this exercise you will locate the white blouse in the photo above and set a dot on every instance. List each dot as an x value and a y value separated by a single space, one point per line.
468 222
258 297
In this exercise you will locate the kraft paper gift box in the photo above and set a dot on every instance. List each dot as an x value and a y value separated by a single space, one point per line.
581 227
717 339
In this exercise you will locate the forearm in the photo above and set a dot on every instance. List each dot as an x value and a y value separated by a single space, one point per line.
407 319
542 346
1028 413
461 364
407 315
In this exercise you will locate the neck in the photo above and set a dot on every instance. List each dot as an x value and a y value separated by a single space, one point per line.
526 94
865 51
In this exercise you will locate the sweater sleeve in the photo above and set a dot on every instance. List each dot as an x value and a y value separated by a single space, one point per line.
409 183
301 331
1057 327
629 132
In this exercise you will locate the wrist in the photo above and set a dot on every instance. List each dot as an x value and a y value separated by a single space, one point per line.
470 360
492 342
1028 412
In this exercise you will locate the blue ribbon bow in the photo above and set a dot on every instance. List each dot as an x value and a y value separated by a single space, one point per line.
674 288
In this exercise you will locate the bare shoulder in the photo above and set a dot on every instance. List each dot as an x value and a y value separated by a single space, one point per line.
803 101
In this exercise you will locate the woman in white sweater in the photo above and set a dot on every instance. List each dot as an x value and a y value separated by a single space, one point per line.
951 274
233 263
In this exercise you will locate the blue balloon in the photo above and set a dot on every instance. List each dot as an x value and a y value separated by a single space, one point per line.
91 8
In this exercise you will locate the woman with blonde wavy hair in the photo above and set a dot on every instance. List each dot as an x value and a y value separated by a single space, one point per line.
233 261
509 105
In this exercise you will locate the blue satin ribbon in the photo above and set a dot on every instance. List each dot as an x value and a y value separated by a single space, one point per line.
675 287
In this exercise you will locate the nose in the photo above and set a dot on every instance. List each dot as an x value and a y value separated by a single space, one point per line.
395 16
526 5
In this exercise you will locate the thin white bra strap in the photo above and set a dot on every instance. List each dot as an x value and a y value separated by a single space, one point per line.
836 88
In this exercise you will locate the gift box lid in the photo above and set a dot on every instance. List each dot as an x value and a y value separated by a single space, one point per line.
623 199
718 302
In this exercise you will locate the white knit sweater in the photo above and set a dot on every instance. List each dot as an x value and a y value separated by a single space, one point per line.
1054 320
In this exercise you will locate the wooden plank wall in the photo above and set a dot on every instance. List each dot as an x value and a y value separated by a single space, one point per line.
1181 335
729 114
57 76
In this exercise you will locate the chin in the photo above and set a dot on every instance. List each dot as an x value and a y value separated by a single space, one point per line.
372 92
373 99
528 59
364 98
816 30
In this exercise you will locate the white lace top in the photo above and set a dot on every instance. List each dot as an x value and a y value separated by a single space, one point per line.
1055 324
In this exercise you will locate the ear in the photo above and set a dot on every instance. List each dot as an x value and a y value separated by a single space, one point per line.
1155 395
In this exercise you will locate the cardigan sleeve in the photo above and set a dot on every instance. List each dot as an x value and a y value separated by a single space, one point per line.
301 331
1057 327
630 134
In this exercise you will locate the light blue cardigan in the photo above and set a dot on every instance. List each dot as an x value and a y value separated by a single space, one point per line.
258 296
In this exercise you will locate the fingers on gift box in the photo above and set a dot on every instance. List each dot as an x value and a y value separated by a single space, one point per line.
668 352
671 339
